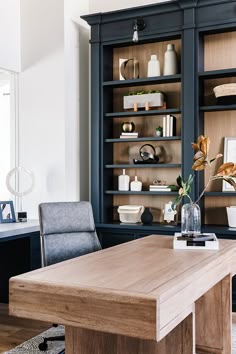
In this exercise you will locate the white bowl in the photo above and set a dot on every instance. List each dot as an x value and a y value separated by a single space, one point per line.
231 213
130 214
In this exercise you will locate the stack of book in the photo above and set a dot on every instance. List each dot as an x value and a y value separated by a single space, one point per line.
128 135
169 125
159 188
196 241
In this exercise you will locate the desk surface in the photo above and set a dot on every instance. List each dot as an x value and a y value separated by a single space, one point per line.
14 229
142 288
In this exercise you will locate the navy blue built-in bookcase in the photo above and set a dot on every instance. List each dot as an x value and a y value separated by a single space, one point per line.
204 34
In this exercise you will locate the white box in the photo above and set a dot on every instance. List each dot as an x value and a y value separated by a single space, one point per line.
231 215
183 244
130 213
153 99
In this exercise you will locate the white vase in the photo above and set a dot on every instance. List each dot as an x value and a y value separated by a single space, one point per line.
170 61
136 185
123 182
153 67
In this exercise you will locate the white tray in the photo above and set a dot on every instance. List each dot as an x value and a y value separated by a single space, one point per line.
184 245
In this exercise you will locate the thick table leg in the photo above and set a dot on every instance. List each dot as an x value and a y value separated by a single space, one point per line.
82 341
214 320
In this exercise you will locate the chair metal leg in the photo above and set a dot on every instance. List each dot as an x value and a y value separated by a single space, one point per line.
44 345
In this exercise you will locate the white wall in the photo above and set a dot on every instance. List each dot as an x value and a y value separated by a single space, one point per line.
77 100
10 35
52 50
5 132
104 5
42 100
54 105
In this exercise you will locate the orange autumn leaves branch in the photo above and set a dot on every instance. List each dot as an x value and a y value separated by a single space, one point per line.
201 161
227 171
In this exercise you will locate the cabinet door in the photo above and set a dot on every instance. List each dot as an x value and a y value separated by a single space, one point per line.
109 239
14 260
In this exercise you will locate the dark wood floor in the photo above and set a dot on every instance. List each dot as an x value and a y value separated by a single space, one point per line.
14 331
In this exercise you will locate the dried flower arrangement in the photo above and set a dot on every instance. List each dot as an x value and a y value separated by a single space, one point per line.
226 171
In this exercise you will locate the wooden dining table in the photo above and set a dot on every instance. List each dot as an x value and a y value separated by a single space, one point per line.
141 297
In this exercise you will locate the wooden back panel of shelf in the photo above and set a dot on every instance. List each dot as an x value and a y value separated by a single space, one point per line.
156 203
219 53
142 53
172 92
147 175
144 125
125 152
216 209
168 151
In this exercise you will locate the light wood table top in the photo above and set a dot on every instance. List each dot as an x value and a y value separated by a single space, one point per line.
141 289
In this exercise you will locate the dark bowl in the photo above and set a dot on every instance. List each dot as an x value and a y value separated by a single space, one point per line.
225 100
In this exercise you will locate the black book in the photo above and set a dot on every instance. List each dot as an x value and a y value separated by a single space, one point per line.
197 238
172 131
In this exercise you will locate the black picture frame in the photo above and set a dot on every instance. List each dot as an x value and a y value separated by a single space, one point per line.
7 212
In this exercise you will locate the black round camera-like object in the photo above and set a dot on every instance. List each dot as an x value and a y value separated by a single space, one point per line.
147 156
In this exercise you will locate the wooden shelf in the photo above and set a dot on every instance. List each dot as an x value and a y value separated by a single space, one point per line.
216 108
163 165
134 140
222 231
143 81
214 74
220 194
140 193
155 226
153 112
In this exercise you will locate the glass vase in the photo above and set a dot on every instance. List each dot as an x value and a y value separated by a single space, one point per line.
190 219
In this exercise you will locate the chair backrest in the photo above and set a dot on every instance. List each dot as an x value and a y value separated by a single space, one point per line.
67 230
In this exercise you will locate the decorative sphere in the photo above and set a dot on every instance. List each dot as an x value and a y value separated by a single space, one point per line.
128 127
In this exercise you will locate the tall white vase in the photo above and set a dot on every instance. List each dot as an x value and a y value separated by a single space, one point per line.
153 67
170 61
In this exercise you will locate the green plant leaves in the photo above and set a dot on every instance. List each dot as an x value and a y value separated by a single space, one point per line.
179 181
184 189
142 92
176 201
173 187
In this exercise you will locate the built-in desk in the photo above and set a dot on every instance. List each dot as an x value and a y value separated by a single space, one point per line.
140 297
19 251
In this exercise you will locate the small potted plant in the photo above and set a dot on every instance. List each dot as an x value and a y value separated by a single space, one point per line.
154 98
159 131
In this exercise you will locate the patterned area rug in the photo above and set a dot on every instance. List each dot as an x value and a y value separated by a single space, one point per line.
31 345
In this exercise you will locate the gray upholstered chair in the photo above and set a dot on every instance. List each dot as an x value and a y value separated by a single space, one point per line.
67 230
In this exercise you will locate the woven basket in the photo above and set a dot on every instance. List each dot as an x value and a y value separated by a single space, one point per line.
225 94
225 90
